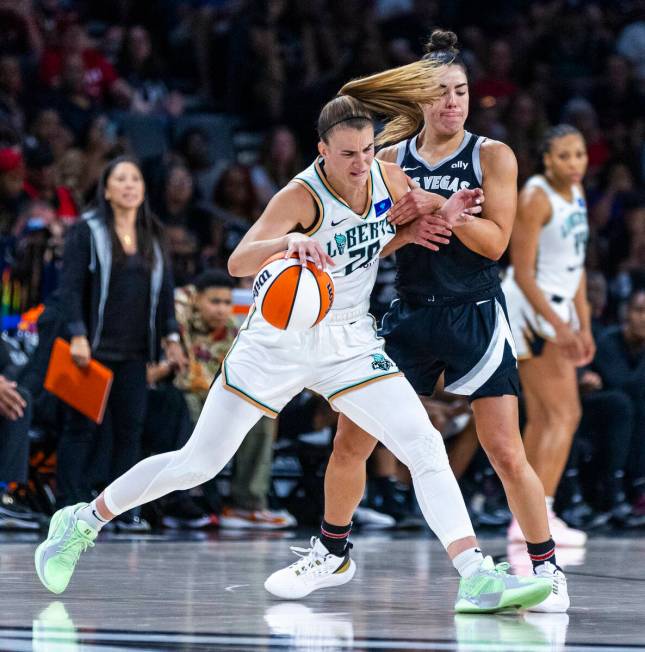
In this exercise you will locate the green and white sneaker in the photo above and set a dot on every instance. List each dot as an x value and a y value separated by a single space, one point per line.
492 589
57 555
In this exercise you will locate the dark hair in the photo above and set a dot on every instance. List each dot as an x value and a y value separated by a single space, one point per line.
553 133
148 227
345 110
213 278
220 193
442 48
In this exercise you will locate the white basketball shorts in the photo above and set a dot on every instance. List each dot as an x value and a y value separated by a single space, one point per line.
268 367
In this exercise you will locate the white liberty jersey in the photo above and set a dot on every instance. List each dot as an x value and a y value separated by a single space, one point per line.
563 241
354 241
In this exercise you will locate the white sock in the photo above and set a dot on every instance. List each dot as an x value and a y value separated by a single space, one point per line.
549 503
468 562
90 515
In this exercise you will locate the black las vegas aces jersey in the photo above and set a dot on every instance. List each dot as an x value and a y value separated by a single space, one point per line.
454 272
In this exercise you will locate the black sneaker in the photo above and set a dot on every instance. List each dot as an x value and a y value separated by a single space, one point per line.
15 523
132 524
182 513
11 508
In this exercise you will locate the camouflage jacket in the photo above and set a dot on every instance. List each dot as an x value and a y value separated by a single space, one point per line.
205 348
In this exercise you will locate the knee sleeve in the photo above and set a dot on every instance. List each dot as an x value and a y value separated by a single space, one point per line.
426 453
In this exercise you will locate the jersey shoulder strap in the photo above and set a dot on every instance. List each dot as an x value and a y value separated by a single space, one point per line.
539 181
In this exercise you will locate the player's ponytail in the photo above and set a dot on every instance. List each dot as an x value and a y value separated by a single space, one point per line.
398 94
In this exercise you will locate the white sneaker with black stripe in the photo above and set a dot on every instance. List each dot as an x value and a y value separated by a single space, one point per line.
558 601
315 569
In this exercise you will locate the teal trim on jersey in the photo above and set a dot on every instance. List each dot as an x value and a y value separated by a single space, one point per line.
251 398
321 207
343 204
227 383
363 382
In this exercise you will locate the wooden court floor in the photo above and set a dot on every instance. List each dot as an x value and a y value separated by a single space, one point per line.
204 592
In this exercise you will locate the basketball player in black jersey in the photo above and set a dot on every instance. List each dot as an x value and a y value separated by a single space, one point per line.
450 316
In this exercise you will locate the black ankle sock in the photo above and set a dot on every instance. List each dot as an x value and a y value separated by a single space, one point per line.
334 537
542 552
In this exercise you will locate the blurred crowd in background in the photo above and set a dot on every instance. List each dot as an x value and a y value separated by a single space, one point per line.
218 100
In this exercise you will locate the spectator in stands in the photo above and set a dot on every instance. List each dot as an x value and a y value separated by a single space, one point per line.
15 419
11 93
41 183
20 34
497 82
630 250
12 178
194 146
179 205
236 208
114 266
184 253
71 99
139 66
279 163
101 144
100 79
620 361
204 311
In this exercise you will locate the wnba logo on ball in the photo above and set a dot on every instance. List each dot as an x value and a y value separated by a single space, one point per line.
292 296
262 278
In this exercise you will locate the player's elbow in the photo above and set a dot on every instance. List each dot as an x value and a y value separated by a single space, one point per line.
496 253
235 266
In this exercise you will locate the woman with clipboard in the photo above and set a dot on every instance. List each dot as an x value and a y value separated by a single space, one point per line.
118 297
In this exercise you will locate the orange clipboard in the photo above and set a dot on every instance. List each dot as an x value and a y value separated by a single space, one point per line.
87 390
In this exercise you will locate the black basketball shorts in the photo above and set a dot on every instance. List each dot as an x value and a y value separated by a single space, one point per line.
472 343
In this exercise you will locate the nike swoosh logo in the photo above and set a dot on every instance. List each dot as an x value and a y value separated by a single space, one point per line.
97 517
339 221
416 167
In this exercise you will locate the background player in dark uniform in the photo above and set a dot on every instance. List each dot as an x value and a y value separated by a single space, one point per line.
451 315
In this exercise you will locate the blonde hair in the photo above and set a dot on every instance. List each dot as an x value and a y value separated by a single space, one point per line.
398 93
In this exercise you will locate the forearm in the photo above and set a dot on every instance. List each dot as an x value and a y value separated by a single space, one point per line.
484 237
247 259
398 241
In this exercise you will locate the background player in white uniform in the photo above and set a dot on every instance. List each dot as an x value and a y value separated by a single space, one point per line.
341 358
546 294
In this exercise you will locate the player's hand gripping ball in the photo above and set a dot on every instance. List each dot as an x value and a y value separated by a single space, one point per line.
292 297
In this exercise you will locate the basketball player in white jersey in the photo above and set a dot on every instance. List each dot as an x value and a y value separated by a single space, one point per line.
546 294
335 212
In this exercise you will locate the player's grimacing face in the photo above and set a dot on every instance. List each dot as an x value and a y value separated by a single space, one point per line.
567 159
349 153
448 114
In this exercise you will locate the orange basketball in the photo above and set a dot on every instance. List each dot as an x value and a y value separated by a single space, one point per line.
292 297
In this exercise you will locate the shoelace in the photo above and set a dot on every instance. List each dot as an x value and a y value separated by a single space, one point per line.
308 557
72 550
481 580
501 568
